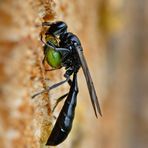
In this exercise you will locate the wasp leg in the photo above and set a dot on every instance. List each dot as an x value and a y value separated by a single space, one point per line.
41 38
62 49
59 100
51 87
62 97
49 44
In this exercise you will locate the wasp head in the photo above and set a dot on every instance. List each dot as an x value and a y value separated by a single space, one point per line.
56 28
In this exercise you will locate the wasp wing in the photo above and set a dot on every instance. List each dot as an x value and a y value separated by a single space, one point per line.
90 85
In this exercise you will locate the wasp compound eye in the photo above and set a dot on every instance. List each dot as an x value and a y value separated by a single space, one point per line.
57 28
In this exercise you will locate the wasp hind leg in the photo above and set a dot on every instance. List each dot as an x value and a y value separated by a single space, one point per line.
51 87
58 101
62 97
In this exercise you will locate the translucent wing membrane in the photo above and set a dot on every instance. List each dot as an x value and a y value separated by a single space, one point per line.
90 85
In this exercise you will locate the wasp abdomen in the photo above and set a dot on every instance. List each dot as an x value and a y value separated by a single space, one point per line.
64 122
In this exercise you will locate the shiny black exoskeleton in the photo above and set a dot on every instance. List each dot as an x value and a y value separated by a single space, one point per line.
72 59
67 43
64 122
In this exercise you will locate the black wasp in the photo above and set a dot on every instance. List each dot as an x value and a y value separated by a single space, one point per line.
63 49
